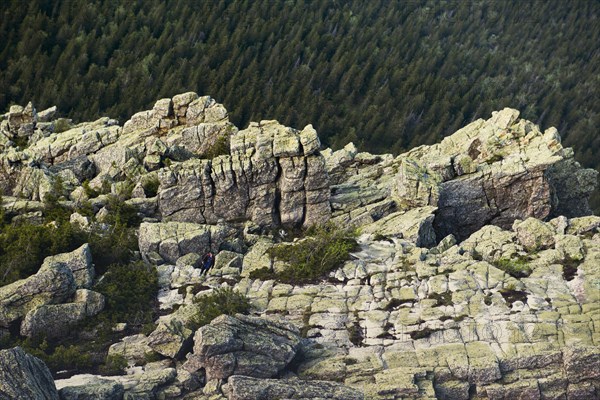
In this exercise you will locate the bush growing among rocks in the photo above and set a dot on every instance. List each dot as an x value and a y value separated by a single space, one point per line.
323 249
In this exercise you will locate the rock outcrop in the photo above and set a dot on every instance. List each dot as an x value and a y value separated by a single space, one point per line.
274 176
244 345
54 283
247 388
493 172
475 275
23 376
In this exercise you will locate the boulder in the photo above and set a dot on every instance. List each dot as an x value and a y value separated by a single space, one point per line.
92 389
414 225
53 283
53 320
244 345
172 336
257 257
94 302
133 348
80 263
249 388
23 376
534 234
494 172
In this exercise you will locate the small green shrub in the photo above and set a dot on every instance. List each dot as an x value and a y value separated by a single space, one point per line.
90 192
21 141
114 364
113 245
61 125
310 259
23 247
150 186
130 291
219 148
219 302
53 209
517 268
121 213
58 358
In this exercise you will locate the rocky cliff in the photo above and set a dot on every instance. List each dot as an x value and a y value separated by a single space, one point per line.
475 274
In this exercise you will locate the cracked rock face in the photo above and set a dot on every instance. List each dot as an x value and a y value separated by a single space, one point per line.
247 388
54 283
23 376
273 177
476 275
493 172
244 345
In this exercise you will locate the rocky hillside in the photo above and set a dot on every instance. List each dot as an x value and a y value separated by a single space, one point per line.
468 269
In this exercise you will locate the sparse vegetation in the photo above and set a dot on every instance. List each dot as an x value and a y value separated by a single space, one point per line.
130 291
219 148
323 249
60 357
150 186
219 302
516 267
114 364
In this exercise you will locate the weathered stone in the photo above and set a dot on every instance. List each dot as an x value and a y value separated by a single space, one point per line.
245 345
257 257
93 301
534 234
133 348
53 283
414 225
23 376
172 336
248 388
53 320
171 240
581 363
80 262
93 388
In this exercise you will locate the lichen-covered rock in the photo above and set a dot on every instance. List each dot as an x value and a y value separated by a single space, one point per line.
248 388
414 225
133 348
91 389
269 178
171 240
533 234
513 171
53 283
172 336
257 257
80 263
23 376
244 345
53 320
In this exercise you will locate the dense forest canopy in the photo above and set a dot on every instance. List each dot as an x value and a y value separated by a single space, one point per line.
388 75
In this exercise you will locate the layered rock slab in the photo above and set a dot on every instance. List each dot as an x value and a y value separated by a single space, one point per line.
23 376
244 345
274 176
247 388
